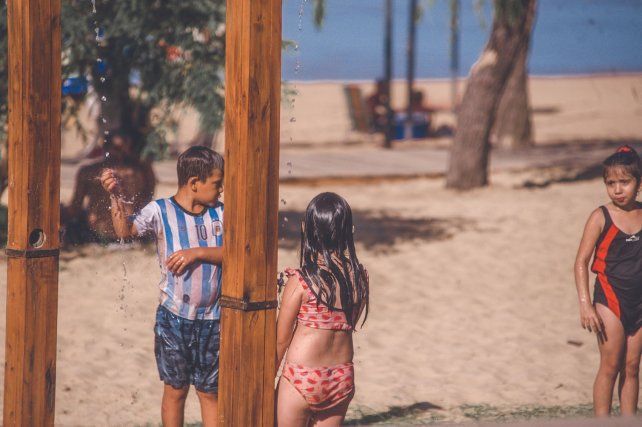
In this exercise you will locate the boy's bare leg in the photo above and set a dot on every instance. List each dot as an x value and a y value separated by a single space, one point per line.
611 357
209 408
630 375
173 406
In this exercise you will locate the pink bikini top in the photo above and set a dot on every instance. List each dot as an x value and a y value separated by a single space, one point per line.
317 315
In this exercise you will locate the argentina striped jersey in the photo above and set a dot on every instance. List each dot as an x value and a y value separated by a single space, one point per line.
193 294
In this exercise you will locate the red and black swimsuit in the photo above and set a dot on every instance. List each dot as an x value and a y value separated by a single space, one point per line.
618 265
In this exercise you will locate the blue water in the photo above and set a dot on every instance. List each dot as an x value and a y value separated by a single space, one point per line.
570 37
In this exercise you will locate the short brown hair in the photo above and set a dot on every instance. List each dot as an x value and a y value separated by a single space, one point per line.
198 161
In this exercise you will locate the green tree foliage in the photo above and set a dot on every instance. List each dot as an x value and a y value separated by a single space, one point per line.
174 49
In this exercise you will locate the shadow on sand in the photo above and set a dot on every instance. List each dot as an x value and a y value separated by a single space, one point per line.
395 412
378 231
585 165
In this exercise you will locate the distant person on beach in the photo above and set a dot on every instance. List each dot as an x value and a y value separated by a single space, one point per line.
322 303
188 228
87 217
377 106
613 234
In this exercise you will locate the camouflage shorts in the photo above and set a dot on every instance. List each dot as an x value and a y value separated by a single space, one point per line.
187 351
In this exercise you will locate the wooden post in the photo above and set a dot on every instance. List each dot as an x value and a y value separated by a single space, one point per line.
34 197
253 91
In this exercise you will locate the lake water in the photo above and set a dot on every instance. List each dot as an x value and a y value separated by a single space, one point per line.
570 37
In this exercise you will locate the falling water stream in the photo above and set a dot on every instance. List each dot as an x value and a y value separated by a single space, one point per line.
99 86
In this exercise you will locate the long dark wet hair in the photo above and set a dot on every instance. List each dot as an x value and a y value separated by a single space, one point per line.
329 261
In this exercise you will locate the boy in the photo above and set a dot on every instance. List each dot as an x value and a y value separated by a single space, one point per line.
189 236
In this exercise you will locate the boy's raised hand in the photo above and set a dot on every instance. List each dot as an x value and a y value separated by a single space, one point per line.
110 182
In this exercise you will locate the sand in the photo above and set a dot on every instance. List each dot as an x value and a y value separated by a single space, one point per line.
581 108
472 302
472 294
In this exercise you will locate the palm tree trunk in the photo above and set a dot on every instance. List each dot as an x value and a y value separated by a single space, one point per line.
468 166
412 40
513 127
454 52
388 74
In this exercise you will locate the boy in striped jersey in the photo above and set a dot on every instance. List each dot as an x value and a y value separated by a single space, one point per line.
189 237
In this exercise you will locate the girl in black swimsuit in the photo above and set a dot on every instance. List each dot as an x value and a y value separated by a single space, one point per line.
613 233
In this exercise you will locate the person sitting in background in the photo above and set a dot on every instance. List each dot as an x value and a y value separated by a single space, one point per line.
421 117
87 218
377 106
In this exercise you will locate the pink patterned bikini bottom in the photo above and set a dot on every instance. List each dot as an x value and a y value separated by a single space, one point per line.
322 387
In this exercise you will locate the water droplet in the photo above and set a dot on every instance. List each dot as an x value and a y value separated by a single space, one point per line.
106 132
99 60
104 120
284 202
102 79
285 219
293 119
93 6
301 11
103 98
107 153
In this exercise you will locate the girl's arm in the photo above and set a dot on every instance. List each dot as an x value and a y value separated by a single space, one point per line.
286 322
588 316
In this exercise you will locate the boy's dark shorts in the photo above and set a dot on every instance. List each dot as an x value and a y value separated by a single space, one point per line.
187 351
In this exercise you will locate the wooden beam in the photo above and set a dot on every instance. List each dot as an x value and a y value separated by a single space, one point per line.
34 197
253 91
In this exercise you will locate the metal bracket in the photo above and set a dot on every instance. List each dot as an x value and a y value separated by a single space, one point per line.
32 253
244 305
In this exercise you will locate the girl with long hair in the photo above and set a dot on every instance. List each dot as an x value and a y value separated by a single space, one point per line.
321 305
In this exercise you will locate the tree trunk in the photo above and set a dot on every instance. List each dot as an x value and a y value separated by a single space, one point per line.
513 120
387 54
468 166
454 52
410 70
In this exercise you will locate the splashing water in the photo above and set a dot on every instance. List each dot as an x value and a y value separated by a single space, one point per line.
301 12
93 6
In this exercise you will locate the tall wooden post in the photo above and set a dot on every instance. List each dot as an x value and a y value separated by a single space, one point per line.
253 91
34 197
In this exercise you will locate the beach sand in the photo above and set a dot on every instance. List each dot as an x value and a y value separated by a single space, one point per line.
472 294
